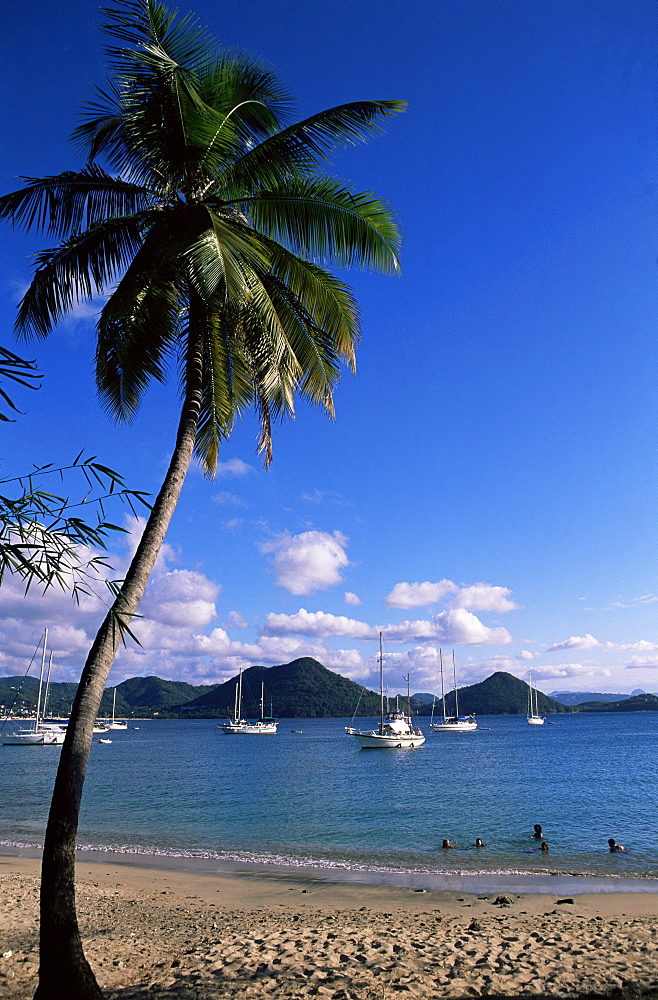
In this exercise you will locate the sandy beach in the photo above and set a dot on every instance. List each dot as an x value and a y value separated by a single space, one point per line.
185 934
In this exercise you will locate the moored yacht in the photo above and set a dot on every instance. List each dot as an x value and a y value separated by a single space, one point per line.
396 730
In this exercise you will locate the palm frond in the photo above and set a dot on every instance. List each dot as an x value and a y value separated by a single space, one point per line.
73 200
73 272
302 146
320 218
140 324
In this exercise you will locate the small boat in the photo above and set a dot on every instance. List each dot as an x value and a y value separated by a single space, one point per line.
396 730
42 734
105 741
265 726
533 717
452 723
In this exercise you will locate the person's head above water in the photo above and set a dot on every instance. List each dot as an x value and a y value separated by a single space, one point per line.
614 846
537 828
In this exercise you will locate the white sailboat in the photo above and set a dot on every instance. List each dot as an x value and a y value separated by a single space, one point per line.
265 726
533 718
452 723
395 730
115 723
41 734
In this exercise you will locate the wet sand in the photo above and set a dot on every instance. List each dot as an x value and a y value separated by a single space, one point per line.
198 934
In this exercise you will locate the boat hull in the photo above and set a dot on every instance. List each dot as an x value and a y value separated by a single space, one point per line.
40 738
466 726
387 741
535 720
248 728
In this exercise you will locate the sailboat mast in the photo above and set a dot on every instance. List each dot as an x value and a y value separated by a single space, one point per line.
381 685
408 680
45 697
443 693
454 674
262 699
43 664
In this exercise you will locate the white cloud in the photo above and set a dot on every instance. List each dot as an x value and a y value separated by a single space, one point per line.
181 597
525 654
312 560
351 598
414 595
568 670
325 496
484 597
642 646
575 642
642 662
237 620
234 467
456 626
318 624
227 499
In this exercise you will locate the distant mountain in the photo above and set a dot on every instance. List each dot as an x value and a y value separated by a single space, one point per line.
500 694
423 699
640 703
578 697
153 693
302 689
136 696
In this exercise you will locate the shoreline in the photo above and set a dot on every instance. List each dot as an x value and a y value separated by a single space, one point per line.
546 883
183 932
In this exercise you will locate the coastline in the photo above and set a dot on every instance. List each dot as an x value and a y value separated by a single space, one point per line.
200 930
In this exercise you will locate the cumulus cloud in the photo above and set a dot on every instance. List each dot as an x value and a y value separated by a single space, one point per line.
525 654
575 642
234 467
318 624
351 598
414 595
484 597
312 560
181 597
456 626
568 670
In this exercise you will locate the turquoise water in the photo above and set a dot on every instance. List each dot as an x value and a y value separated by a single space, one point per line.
182 788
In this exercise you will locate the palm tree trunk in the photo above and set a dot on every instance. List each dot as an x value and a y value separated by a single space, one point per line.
64 971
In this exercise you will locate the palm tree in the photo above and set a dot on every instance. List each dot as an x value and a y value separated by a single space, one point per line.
211 228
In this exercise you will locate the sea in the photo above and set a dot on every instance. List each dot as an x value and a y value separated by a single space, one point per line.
309 799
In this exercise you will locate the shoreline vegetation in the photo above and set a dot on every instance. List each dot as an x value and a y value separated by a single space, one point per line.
183 933
301 689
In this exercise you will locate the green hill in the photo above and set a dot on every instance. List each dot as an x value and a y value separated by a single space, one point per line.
302 689
155 694
640 703
500 694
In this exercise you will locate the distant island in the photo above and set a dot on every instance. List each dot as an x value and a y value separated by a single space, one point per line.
301 689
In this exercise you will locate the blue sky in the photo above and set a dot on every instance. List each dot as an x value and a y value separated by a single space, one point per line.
489 482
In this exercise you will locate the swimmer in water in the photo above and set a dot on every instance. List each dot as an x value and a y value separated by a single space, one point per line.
544 847
478 842
446 844
614 846
537 834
